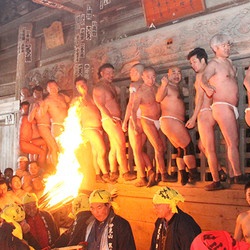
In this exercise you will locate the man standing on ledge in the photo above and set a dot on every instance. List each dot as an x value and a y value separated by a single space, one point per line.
219 82
105 98
247 86
173 126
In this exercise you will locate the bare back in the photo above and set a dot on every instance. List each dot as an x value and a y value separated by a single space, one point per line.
25 129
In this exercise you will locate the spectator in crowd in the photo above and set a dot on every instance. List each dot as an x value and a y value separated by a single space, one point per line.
14 213
242 228
174 229
11 235
107 230
217 240
42 225
16 187
22 166
82 216
8 173
6 197
33 182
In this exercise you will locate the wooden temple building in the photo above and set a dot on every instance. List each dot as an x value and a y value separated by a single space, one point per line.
42 40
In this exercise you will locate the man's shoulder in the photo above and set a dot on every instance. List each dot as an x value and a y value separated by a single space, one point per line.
244 215
99 87
120 220
212 62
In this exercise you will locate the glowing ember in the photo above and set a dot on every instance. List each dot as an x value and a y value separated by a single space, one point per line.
63 186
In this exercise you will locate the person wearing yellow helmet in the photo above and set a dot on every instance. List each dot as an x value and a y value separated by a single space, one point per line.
174 229
82 215
42 224
107 230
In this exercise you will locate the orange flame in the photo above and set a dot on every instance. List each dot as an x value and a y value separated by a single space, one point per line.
64 185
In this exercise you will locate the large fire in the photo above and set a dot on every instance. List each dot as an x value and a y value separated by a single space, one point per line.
63 186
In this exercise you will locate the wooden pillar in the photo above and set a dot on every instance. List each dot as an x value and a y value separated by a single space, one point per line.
85 39
25 49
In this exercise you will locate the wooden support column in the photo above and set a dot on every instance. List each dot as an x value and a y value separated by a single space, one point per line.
25 49
85 39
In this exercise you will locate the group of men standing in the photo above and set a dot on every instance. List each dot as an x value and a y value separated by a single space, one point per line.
151 108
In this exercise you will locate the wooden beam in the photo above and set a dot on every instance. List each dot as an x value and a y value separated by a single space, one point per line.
57 5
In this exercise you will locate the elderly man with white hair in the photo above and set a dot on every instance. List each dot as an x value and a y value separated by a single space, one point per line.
174 229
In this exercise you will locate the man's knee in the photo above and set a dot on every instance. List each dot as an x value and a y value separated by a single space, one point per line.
189 149
180 153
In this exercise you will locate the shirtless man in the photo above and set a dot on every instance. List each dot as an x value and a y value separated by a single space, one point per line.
28 145
173 126
247 86
205 121
150 113
7 197
219 82
16 187
56 104
242 228
137 140
25 95
33 182
43 125
105 98
92 129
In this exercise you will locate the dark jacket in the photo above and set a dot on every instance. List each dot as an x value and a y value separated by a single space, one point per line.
76 233
116 235
179 232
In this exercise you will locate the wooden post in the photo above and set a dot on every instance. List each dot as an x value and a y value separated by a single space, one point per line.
25 54
85 39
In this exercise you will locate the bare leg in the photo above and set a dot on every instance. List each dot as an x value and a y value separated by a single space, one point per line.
137 141
117 147
45 133
154 137
36 146
225 118
206 130
136 144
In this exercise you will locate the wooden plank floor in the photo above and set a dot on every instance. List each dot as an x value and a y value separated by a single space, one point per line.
215 210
